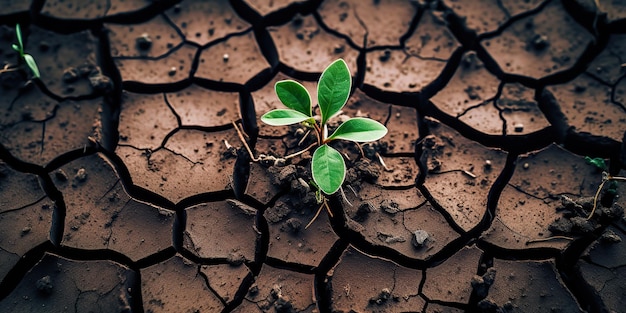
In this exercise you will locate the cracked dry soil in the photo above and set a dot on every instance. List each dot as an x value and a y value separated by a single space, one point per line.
124 186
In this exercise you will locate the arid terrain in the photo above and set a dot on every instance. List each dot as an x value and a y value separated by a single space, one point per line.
125 187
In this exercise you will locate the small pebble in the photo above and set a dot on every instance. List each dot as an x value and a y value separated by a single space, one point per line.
172 71
518 128
26 230
487 163
225 57
540 42
81 175
526 166
420 237
144 42
70 75
385 56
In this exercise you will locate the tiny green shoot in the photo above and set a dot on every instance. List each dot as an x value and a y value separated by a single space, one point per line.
333 89
606 178
27 58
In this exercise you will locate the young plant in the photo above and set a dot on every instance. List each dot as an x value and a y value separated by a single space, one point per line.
333 89
606 178
23 56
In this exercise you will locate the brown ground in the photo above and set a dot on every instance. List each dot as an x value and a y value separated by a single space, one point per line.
125 188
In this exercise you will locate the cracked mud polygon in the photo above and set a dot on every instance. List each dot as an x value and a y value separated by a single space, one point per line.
125 187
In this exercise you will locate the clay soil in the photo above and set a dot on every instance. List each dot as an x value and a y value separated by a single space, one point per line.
124 186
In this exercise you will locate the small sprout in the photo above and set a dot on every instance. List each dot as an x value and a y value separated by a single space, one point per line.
328 167
24 57
597 162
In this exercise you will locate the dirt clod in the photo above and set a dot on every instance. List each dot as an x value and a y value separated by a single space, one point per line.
420 238
540 42
383 296
363 212
293 225
235 258
481 284
44 285
70 75
389 206
81 175
610 236
100 82
144 42
60 175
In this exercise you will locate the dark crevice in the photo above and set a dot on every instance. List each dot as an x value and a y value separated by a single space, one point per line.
567 265
513 19
586 144
515 144
112 101
19 270
214 85
241 293
133 190
139 87
70 156
526 254
291 266
335 33
248 120
18 164
444 77
158 57
205 197
142 15
404 99
262 244
59 209
267 46
323 292
156 258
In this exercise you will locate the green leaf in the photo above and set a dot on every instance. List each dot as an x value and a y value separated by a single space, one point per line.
359 129
16 48
333 89
328 169
597 162
294 96
280 117
30 61
18 33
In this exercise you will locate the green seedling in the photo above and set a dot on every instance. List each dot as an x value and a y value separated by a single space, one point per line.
606 178
333 89
23 56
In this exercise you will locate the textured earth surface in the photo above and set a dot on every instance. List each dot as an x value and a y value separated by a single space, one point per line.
125 187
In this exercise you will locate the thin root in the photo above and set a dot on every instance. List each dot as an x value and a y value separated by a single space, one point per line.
316 214
300 152
343 195
245 143
595 198
382 162
360 149
304 137
549 239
